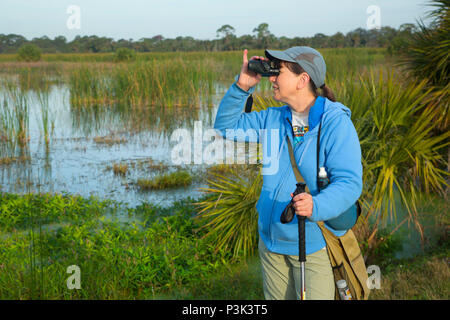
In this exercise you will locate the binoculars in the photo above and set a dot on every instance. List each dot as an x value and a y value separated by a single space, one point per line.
263 67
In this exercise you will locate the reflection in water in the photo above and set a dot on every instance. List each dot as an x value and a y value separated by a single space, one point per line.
96 119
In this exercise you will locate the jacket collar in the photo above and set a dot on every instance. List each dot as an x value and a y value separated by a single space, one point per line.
315 112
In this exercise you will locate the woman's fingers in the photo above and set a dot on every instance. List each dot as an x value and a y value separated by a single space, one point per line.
303 204
244 57
247 78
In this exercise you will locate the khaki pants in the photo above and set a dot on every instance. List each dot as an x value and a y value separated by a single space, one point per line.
281 275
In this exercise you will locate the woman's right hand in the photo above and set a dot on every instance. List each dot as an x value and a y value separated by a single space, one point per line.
247 78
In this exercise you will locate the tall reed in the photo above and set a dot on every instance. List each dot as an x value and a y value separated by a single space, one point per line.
171 82
14 121
47 120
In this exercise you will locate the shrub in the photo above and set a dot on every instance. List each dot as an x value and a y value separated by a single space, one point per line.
170 180
29 52
124 54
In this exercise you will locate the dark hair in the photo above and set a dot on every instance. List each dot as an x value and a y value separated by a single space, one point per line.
297 69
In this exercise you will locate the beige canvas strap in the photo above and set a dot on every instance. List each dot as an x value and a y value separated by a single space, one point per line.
297 173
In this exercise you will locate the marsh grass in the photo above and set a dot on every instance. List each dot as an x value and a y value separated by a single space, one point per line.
10 160
47 117
169 79
175 179
14 122
153 165
111 139
166 82
120 169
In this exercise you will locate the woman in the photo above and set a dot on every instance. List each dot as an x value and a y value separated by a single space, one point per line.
301 72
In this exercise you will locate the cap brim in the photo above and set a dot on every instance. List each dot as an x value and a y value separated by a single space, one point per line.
277 54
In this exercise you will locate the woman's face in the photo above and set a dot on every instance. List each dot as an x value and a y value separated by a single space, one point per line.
284 85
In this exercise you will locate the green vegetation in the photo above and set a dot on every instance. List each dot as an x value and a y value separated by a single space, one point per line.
161 253
14 122
124 54
427 52
165 82
19 213
229 213
29 52
426 55
158 252
47 119
175 179
260 38
401 155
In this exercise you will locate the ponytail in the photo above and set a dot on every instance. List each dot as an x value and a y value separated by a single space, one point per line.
328 93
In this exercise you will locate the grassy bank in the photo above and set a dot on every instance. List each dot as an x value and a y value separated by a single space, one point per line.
155 251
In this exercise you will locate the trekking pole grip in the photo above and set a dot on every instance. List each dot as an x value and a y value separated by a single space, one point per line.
301 239
301 227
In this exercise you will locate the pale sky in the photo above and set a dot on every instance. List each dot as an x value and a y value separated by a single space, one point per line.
200 19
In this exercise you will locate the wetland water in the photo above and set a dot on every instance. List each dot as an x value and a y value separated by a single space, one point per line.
86 142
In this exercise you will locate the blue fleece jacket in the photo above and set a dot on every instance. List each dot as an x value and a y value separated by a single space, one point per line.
340 154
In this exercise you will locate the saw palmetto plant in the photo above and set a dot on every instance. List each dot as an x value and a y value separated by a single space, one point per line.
400 154
229 213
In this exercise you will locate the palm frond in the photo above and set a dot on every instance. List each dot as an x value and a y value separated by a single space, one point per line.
229 214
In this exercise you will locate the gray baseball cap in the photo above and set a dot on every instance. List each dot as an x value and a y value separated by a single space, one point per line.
308 58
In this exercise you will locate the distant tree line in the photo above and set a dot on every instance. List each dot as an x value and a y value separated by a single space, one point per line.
386 37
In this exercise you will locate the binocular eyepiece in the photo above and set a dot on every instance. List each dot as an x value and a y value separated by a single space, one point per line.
263 67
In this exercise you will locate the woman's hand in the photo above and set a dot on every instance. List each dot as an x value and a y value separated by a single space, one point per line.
248 79
303 204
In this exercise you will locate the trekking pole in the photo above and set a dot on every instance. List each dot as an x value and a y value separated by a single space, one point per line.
302 255
301 243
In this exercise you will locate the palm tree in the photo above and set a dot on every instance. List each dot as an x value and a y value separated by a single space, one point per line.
427 56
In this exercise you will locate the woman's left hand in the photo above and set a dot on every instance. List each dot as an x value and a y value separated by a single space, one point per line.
303 204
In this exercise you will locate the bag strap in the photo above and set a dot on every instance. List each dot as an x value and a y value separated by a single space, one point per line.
294 165
298 175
